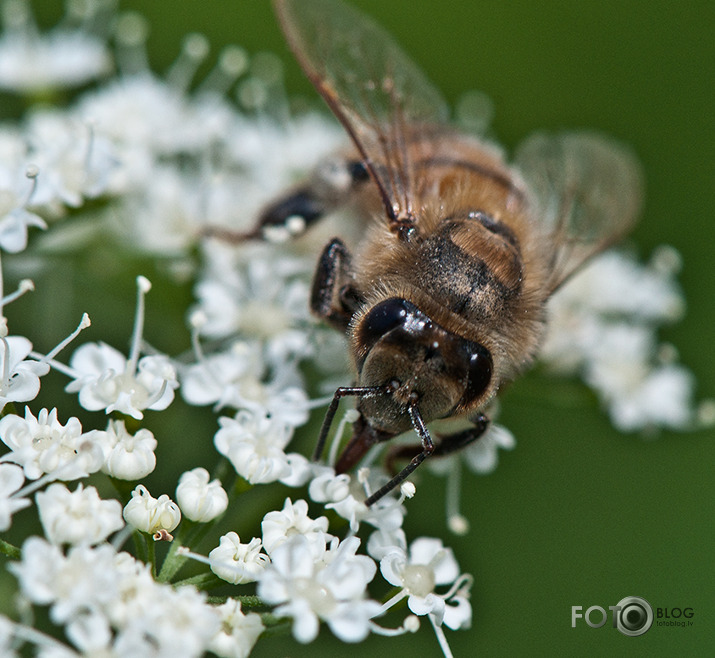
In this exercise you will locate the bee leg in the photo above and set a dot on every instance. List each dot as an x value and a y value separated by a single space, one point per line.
334 297
333 182
448 443
286 217
363 434
428 448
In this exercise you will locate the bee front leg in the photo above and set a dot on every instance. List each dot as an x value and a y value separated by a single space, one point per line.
334 297
448 443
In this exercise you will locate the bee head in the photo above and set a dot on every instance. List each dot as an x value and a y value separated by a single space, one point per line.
418 362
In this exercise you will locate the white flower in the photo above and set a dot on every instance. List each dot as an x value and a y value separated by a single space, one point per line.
329 487
75 586
152 619
238 633
602 326
79 517
150 514
277 527
167 622
107 380
287 405
234 378
89 632
15 218
482 455
19 376
662 399
428 565
74 162
199 499
128 456
275 154
620 359
301 470
11 479
639 393
331 588
261 296
346 495
616 284
43 445
32 62
38 570
166 217
254 444
216 378
8 643
94 591
382 541
139 112
238 563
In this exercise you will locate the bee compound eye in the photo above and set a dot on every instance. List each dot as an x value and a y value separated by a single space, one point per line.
384 317
479 372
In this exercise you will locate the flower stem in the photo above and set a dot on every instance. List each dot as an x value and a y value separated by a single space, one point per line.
173 561
151 556
10 550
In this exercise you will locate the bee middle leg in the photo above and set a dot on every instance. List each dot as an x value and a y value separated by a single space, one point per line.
448 443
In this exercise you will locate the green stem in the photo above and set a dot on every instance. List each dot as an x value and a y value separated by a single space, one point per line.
275 626
249 601
151 556
173 562
13 552
140 545
203 581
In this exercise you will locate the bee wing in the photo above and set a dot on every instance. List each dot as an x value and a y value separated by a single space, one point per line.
587 191
379 95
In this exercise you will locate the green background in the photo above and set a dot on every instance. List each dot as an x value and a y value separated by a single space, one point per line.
578 514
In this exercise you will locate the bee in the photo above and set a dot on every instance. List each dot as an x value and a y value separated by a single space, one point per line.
444 299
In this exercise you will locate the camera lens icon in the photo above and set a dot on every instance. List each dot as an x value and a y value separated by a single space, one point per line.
635 616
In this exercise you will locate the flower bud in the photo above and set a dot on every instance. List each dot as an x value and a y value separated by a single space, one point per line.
199 499
149 514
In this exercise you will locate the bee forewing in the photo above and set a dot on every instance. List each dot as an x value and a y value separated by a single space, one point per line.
586 191
370 84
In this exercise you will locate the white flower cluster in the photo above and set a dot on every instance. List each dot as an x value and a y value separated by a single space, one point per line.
161 165
602 326
109 603
312 576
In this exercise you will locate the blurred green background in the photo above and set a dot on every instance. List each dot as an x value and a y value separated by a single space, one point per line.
578 514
